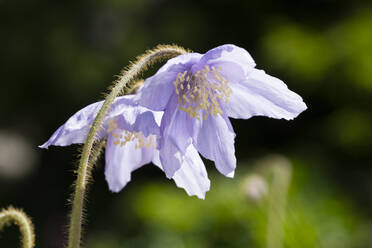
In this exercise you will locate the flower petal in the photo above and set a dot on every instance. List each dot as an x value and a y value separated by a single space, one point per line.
263 95
192 175
177 132
185 60
76 129
158 89
177 126
215 141
122 160
170 158
145 122
231 56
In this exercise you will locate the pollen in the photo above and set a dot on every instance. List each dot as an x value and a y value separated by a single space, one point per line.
122 138
200 94
112 125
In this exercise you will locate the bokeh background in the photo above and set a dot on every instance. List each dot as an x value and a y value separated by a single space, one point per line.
303 183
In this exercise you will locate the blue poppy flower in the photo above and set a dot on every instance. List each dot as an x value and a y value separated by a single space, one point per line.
199 92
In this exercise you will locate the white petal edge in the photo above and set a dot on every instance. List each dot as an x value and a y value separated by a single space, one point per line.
263 95
192 175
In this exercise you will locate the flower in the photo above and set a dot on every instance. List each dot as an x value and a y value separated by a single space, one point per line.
132 135
198 92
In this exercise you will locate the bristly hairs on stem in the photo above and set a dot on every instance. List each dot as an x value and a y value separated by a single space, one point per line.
101 144
18 217
125 79
133 87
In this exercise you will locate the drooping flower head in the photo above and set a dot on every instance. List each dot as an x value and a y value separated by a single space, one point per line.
198 92
132 134
182 110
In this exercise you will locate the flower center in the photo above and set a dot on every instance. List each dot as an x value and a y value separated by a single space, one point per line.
201 93
126 136
121 137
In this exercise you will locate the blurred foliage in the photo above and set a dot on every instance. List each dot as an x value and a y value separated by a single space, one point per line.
317 215
296 49
311 54
57 57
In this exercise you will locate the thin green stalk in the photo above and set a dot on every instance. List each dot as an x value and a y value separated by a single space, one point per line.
143 62
18 217
277 202
100 145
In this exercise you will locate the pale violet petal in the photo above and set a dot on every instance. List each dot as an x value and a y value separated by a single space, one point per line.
176 136
231 174
122 160
145 122
185 60
263 95
158 115
231 56
77 127
170 158
156 159
176 126
191 175
158 89
215 141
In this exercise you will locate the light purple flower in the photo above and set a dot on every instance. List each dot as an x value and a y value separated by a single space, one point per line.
198 92
132 135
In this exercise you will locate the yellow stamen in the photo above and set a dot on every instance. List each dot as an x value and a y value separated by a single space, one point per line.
126 136
201 93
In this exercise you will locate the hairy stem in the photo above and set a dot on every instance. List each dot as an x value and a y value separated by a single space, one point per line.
18 217
101 144
160 53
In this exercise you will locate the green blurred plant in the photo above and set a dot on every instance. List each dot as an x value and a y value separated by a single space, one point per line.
312 214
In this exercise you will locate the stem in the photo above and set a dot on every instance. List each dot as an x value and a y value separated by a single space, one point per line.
18 217
100 145
98 148
150 57
277 202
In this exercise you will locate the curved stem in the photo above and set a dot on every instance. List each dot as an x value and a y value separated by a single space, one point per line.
133 88
98 148
18 217
158 54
